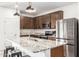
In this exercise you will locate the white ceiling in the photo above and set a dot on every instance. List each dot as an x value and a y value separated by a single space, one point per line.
41 7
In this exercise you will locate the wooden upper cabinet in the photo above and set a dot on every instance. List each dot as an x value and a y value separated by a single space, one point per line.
26 22
55 16
53 21
40 19
21 22
43 20
36 23
47 21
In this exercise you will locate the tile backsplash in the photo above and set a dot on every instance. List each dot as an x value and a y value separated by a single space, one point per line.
34 31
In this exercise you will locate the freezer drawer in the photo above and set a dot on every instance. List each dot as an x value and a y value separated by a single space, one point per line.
71 42
70 50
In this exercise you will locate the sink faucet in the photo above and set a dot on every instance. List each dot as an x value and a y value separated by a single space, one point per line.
30 32
29 36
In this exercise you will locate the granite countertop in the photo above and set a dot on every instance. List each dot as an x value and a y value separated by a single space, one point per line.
37 45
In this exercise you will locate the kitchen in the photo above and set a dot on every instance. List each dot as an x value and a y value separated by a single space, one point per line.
35 35
38 30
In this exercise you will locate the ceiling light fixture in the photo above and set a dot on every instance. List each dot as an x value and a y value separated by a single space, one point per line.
17 13
29 9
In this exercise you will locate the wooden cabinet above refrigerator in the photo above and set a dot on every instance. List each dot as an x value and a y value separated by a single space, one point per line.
55 16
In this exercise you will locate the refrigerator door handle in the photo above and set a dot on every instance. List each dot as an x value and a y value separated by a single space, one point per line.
64 38
70 44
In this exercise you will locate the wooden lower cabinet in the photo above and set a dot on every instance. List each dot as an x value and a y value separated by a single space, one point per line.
57 52
51 38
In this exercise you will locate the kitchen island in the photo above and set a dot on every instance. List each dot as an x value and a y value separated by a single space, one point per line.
36 47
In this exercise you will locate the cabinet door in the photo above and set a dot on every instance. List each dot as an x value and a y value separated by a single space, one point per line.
36 23
56 16
61 51
26 22
40 18
22 22
53 21
31 23
45 19
57 52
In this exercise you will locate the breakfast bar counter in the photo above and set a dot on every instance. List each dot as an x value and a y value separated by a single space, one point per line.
36 47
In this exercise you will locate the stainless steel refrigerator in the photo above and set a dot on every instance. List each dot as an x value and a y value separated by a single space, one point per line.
67 30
